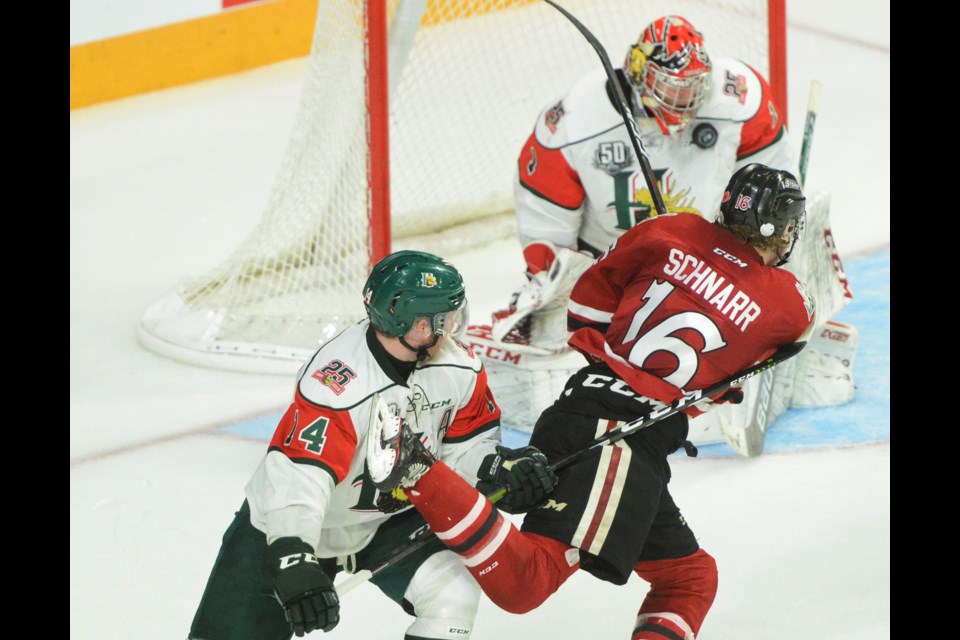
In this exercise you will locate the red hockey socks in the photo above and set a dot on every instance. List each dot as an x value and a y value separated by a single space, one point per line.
517 571
681 592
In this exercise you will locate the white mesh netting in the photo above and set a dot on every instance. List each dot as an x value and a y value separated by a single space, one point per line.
468 78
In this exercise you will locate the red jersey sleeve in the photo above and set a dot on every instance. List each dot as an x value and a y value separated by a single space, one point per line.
479 414
308 434
765 127
548 175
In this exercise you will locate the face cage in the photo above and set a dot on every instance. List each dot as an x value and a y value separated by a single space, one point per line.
453 323
675 100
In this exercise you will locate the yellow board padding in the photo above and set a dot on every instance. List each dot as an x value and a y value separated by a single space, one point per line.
234 40
229 42
439 11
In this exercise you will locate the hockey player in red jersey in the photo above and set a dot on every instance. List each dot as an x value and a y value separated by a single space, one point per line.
578 187
676 304
311 508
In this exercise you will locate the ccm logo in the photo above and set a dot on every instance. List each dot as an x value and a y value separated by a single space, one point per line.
729 256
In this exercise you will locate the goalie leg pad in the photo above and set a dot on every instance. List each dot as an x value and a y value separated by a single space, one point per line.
824 371
523 383
816 261
705 429
445 598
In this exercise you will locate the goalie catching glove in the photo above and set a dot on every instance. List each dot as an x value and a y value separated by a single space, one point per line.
551 277
293 575
523 473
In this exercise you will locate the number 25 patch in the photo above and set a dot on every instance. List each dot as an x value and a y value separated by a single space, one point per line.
335 375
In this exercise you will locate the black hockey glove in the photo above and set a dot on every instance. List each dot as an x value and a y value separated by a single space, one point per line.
292 574
733 395
524 473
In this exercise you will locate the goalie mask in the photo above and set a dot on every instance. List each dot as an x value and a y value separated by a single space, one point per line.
669 72
765 207
408 285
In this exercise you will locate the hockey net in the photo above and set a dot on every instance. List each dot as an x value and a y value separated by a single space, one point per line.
467 80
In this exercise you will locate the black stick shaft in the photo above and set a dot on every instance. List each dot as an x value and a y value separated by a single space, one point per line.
615 435
648 175
687 400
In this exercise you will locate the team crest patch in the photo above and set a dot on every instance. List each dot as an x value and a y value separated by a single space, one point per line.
334 375
612 157
428 280
552 116
705 135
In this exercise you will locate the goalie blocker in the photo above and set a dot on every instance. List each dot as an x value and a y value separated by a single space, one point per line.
528 367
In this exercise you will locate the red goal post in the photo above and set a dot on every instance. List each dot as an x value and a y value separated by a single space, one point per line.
411 117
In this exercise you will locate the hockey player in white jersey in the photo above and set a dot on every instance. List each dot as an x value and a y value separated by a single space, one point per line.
311 509
578 187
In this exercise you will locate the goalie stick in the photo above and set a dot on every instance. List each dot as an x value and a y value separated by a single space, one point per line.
425 536
813 105
749 440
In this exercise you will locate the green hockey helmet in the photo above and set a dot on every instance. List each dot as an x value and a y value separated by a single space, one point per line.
407 285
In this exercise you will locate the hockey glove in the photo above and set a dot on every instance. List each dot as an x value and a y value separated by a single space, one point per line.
524 474
733 395
294 576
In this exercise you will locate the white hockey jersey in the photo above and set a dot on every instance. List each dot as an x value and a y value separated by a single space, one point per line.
579 184
313 481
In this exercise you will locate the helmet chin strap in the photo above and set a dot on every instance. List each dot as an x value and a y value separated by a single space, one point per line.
421 351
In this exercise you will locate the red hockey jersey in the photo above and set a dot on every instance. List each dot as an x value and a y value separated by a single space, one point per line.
678 303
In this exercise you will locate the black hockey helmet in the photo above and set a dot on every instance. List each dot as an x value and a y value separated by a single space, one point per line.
769 202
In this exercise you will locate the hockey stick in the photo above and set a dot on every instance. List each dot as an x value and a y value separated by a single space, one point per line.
689 399
648 176
426 537
813 105
748 440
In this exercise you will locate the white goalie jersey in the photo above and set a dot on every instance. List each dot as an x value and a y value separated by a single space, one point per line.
313 482
580 185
